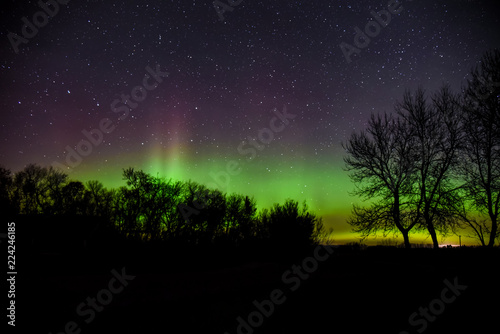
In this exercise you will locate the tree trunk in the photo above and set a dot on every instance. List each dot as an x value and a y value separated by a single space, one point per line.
406 238
494 228
432 232
397 220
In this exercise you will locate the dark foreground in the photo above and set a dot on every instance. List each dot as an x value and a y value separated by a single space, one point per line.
172 291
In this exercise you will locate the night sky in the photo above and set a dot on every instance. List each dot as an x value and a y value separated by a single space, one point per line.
220 80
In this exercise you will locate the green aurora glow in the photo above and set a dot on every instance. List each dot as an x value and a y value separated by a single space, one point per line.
324 185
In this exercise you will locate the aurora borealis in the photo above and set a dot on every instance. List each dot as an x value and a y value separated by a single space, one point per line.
227 79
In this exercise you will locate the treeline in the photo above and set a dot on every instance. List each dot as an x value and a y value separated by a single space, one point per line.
153 209
434 164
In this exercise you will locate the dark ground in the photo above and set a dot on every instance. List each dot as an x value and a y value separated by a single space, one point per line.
193 290
374 290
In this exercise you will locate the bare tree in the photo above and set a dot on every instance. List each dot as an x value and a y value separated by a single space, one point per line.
435 127
480 167
382 167
39 189
7 204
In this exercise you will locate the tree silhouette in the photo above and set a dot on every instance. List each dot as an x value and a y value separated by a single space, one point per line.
38 189
101 201
6 184
73 195
191 222
213 217
436 130
146 211
480 164
240 218
382 166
